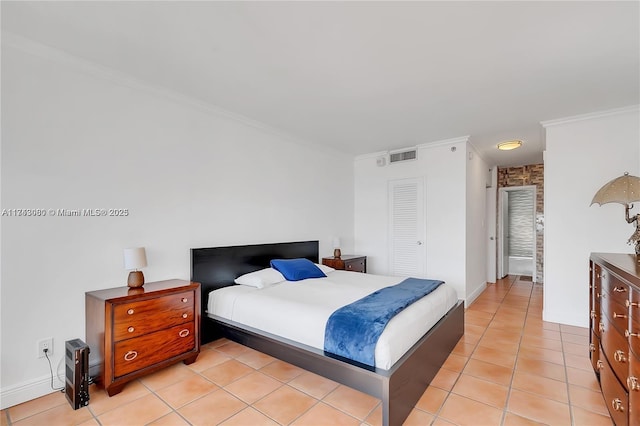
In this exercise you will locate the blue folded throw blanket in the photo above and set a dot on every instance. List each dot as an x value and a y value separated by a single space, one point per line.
353 330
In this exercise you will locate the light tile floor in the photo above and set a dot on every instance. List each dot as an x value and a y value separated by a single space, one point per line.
510 368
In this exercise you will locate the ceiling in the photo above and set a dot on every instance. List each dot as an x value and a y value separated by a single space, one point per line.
366 77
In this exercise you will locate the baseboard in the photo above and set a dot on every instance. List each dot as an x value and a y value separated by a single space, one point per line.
475 294
26 391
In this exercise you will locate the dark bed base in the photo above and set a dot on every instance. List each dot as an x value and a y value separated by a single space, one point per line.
399 388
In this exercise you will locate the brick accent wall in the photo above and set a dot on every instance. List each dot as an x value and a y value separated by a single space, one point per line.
522 176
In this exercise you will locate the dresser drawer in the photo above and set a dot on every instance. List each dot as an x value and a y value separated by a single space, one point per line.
634 323
616 313
613 288
138 318
140 352
615 349
633 384
615 396
594 352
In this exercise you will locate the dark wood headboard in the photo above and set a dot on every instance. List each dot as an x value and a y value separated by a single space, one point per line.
217 267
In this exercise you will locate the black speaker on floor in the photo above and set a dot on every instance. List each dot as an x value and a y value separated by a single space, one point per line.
77 373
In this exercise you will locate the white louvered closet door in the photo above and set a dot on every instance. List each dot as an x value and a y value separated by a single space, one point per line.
407 228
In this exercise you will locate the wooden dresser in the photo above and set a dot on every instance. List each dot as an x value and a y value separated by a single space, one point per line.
347 262
614 305
136 331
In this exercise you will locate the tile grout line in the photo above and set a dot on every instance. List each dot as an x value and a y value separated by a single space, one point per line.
506 403
450 391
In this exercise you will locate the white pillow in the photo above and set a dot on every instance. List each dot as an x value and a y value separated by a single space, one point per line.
260 278
324 268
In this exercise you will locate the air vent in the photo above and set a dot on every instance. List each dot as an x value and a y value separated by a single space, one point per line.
402 156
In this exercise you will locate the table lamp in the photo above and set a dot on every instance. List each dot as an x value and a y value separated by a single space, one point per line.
135 258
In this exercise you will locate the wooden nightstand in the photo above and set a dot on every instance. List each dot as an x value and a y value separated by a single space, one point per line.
347 262
133 332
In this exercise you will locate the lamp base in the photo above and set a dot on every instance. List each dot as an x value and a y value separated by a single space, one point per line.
136 279
336 253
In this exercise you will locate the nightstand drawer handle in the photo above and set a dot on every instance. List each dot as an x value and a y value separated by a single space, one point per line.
185 315
619 289
619 356
130 356
615 315
130 311
617 405
601 327
185 300
593 314
599 365
130 329
183 333
592 347
633 383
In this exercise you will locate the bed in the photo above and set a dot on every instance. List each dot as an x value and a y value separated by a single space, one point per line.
399 387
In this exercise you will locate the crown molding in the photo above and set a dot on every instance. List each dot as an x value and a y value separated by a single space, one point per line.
113 76
427 145
590 116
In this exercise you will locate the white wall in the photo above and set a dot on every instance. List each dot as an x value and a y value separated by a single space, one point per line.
478 178
582 154
450 249
77 136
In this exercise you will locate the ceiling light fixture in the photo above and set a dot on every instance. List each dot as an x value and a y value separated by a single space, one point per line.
509 145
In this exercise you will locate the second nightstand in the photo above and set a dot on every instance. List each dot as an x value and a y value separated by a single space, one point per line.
347 262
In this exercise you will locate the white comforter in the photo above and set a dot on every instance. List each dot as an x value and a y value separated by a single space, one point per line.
299 310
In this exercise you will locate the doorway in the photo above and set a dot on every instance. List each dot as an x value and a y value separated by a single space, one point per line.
517 231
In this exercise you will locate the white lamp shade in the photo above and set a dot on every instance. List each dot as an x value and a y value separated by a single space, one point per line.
135 258
336 242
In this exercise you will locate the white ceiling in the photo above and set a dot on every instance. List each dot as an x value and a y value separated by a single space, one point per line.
366 76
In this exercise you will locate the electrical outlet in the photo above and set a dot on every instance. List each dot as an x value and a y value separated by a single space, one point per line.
45 344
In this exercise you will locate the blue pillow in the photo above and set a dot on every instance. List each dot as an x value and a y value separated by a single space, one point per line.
297 269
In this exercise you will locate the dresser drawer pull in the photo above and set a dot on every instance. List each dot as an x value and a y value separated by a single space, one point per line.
593 314
130 329
629 303
620 289
633 384
185 300
183 333
627 333
619 356
185 315
617 405
615 315
592 347
601 327
130 311
130 356
599 365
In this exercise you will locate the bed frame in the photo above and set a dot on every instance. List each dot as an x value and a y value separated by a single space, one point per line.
399 388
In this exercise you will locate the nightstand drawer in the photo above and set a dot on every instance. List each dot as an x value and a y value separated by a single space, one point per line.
138 318
134 354
349 262
355 265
